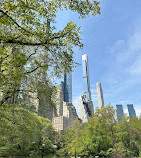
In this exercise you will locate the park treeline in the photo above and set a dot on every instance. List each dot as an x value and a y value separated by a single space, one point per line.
103 136
23 132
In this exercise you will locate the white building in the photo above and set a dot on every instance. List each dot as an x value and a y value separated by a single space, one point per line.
100 95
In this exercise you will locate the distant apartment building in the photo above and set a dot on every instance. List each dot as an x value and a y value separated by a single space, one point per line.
85 108
100 95
60 123
86 80
65 113
131 110
70 113
58 100
44 107
34 100
41 104
120 113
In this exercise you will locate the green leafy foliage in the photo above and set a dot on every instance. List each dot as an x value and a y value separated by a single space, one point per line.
103 136
31 46
22 132
26 24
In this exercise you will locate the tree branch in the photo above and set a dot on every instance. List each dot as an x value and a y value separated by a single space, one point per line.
5 13
27 72
5 98
32 54
12 41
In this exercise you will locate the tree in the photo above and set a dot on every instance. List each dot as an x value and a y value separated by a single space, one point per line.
26 22
29 45
129 137
70 139
104 136
21 131
100 132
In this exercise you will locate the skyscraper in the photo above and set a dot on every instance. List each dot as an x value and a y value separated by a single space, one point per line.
67 87
86 80
120 113
131 110
100 95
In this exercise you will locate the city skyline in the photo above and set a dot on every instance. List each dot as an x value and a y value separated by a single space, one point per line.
112 43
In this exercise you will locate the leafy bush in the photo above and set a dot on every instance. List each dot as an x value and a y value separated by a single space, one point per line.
22 132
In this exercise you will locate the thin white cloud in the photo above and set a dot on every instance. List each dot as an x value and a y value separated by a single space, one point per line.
131 47
128 51
124 102
135 68
117 47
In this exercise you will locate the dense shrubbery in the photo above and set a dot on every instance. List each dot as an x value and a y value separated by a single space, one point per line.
22 132
103 136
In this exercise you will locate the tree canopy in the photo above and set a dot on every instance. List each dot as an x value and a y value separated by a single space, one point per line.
27 23
31 48
23 132
103 136
30 45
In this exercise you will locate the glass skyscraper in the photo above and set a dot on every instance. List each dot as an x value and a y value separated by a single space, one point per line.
120 113
67 87
131 110
86 80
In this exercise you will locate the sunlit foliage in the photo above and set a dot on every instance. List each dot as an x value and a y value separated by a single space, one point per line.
103 136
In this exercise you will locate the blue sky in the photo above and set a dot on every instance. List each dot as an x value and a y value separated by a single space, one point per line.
112 42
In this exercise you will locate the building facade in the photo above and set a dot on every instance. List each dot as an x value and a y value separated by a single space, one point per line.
60 123
85 108
131 110
120 113
86 80
100 95
58 99
67 87
70 113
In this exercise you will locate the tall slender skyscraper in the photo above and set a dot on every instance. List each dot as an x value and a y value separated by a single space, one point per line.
100 95
86 79
120 113
131 110
67 87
